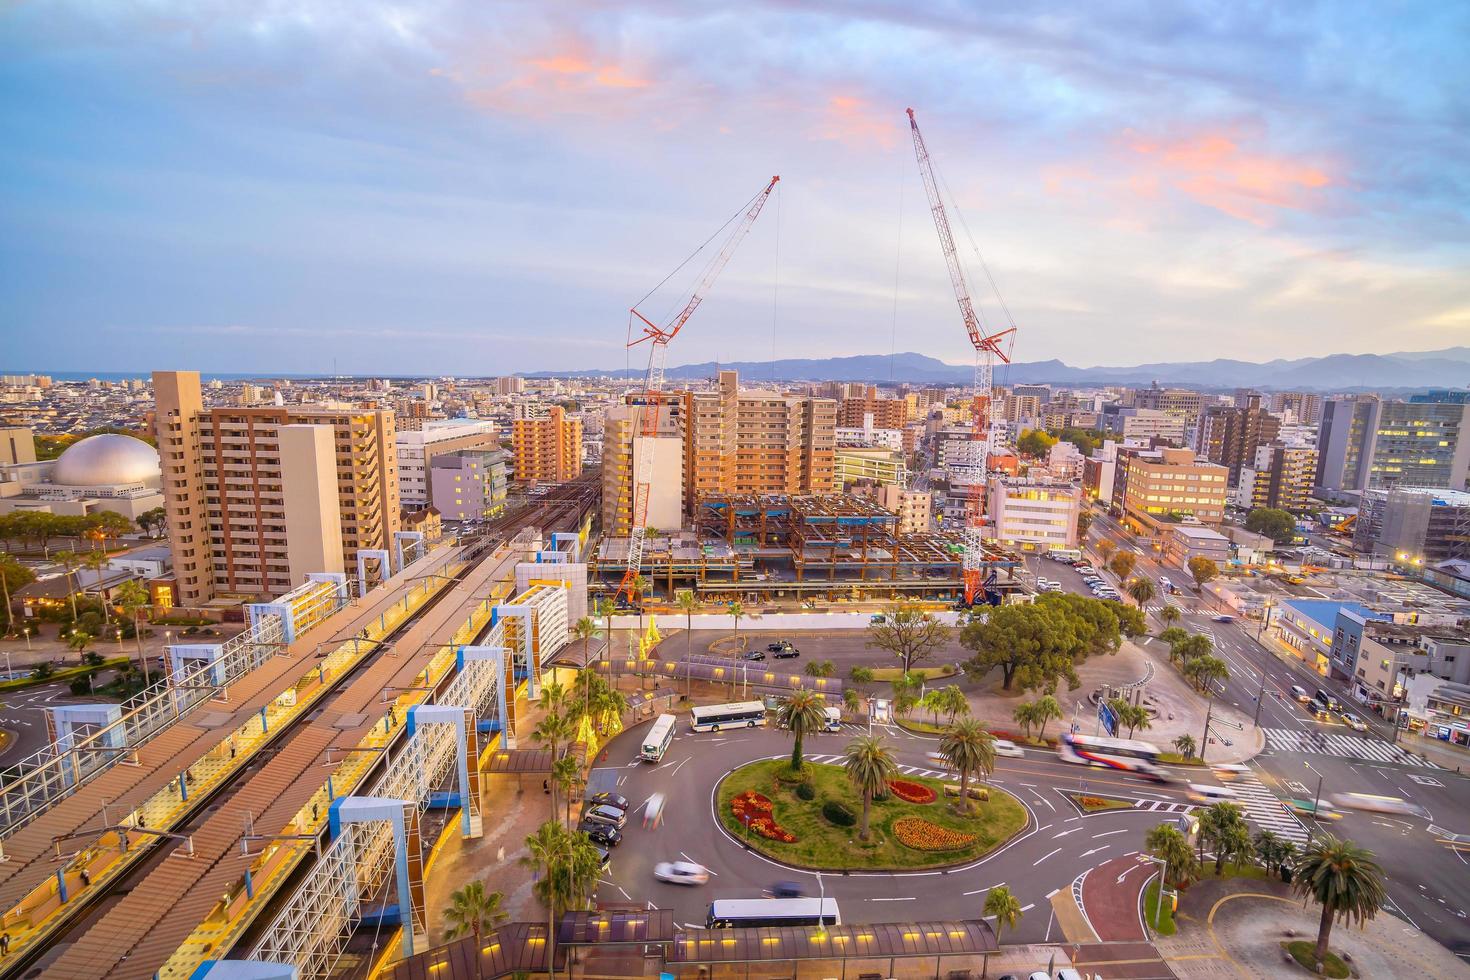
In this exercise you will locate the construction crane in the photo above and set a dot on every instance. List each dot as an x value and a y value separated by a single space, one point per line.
988 348
658 338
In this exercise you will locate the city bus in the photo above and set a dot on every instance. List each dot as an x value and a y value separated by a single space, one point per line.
750 913
739 714
656 742
831 719
1066 555
1124 754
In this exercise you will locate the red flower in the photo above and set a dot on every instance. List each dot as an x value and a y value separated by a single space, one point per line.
911 792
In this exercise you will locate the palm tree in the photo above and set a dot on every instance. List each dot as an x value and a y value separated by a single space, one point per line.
1215 821
1167 843
609 706
736 610
686 602
566 775
1344 879
1047 710
1185 744
473 912
78 640
860 675
1274 851
951 701
1233 845
1025 716
547 851
852 701
1174 637
553 729
968 747
1205 671
131 598
869 765
804 711
1169 614
1141 589
604 608
1004 907
95 561
584 629
70 560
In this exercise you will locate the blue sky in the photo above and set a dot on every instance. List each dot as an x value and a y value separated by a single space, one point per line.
477 188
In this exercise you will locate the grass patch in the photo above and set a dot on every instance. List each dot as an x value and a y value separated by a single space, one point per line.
62 674
1165 925
1088 803
1175 759
930 673
1304 952
820 844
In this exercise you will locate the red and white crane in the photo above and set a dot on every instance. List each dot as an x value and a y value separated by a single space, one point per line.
985 437
658 338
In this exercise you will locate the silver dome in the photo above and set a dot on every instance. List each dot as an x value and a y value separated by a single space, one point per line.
106 460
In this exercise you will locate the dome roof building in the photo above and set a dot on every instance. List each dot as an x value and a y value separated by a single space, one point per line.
107 460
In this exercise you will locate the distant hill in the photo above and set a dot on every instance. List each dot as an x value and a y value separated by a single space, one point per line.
1447 368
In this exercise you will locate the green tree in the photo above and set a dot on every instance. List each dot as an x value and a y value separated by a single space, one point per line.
736 610
1169 614
968 747
1274 851
852 701
70 560
604 609
1203 569
608 708
1084 524
801 714
687 603
860 675
1035 443
566 776
1131 716
157 517
908 632
1233 845
1141 589
1105 549
585 629
1167 843
13 575
1344 879
1185 745
820 668
1278 525
1025 716
869 765
131 597
1194 647
951 701
78 640
1004 907
1032 644
567 867
95 562
553 729
1046 710
1206 671
473 912
906 692
1215 821
1122 564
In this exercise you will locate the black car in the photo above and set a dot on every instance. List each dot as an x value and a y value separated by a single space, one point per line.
778 646
605 836
785 889
604 858
609 799
788 653
754 655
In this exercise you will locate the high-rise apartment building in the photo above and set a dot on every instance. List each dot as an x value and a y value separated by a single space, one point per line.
547 450
913 507
256 497
887 413
468 484
416 451
1230 435
1164 484
1280 476
1145 423
622 436
757 441
510 385
1306 406
1365 443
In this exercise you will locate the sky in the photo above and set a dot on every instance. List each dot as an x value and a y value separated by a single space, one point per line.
479 188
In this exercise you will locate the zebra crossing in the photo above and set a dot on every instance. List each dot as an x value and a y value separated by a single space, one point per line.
1342 746
1264 810
837 760
1162 806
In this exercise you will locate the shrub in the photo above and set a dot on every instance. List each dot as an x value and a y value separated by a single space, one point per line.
92 658
805 791
974 792
921 835
43 670
837 814
81 684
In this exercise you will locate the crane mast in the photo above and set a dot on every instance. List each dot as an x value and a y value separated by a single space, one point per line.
658 338
984 438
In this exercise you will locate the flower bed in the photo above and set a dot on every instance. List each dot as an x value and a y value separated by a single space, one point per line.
921 835
755 811
1097 804
911 792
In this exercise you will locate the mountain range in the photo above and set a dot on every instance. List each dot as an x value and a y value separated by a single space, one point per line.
1447 368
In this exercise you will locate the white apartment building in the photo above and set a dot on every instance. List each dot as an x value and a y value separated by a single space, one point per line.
913 507
1034 515
417 449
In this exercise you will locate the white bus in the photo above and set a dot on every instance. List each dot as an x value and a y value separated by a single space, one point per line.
1124 754
739 714
1065 554
832 719
656 742
750 913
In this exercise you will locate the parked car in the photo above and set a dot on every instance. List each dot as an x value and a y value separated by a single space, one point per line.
754 655
778 646
608 816
681 872
602 834
604 856
609 799
788 653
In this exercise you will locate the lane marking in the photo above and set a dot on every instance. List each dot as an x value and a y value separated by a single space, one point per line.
1109 833
1044 857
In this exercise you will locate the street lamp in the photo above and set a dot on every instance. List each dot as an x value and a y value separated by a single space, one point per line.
1316 800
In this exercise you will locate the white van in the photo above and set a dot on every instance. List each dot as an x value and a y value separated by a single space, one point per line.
1300 693
1205 793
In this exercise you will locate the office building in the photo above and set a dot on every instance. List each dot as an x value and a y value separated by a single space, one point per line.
251 498
1033 515
416 451
1365 443
1230 435
1145 423
871 464
622 436
1419 526
758 441
1279 476
913 507
547 450
1172 401
1161 486
468 484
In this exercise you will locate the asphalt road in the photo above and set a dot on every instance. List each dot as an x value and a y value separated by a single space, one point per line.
23 713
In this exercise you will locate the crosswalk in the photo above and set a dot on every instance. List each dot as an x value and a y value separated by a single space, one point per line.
1342 746
836 760
1162 806
1264 810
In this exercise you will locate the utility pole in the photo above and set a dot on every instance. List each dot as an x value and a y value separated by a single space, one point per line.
1260 699
1205 739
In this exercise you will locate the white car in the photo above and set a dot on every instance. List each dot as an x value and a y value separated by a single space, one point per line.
681 872
1354 722
1010 750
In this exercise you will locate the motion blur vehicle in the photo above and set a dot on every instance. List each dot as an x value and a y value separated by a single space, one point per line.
1318 810
1224 619
681 872
1229 771
1378 804
1205 793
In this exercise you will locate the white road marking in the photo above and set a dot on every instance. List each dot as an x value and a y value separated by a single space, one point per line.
1109 833
1043 858
1066 832
1028 908
910 898
1096 850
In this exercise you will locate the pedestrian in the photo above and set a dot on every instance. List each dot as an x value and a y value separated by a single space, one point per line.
500 855
545 786
4 944
232 748
86 879
313 813
142 823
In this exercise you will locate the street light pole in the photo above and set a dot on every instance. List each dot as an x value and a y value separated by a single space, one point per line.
1260 699
1316 800
1205 738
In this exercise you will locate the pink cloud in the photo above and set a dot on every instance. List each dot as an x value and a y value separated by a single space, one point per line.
568 78
855 121
1217 172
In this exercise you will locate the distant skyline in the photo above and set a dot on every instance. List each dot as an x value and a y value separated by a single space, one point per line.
477 189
